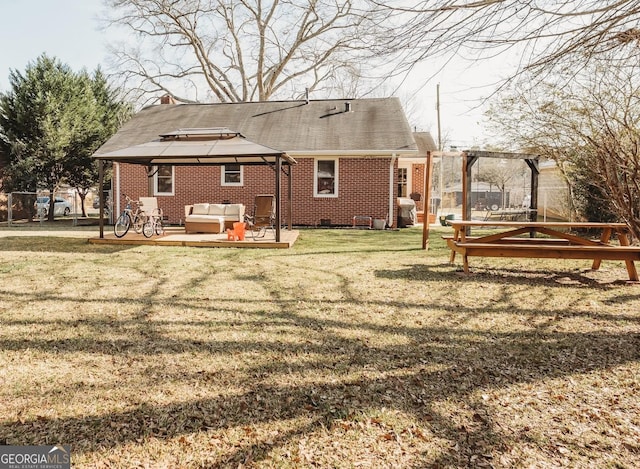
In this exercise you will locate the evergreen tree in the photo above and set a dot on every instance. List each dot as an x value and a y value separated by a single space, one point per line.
82 169
51 121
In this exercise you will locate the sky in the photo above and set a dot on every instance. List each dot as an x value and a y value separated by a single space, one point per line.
70 31
66 29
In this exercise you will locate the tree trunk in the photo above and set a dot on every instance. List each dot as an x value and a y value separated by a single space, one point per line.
52 204
82 197
82 193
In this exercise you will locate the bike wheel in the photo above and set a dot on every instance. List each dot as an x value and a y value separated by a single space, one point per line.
122 225
159 227
138 223
147 229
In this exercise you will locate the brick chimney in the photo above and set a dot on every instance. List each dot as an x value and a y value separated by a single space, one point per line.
167 99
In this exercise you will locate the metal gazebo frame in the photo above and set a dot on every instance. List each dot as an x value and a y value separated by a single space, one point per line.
203 147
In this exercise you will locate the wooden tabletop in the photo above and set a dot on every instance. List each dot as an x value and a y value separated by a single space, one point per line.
535 224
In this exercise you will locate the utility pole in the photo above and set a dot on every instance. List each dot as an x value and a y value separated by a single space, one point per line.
441 172
438 113
428 177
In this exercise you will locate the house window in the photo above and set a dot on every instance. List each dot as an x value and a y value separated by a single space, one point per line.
326 178
402 182
163 179
231 175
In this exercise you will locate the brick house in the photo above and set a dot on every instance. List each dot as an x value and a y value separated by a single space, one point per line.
347 154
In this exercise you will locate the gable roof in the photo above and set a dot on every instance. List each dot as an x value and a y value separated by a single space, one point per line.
425 143
363 126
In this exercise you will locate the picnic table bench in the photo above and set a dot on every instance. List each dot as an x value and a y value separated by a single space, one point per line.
508 215
558 242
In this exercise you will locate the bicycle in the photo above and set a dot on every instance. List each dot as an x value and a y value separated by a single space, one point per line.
129 218
153 224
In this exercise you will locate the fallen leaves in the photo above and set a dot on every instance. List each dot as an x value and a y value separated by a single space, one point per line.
379 357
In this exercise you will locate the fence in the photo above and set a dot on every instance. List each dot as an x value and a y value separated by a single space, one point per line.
18 206
22 207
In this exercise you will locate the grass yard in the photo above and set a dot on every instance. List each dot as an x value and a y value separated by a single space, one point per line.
354 348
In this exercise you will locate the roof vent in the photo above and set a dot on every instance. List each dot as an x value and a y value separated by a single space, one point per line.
347 106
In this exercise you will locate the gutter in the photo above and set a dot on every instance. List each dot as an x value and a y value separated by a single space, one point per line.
116 211
353 153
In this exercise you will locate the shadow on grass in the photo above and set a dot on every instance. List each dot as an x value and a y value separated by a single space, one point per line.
509 359
430 365
151 341
61 244
519 276
437 364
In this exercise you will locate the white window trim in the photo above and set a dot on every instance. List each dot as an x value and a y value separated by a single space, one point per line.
336 182
155 181
222 173
407 183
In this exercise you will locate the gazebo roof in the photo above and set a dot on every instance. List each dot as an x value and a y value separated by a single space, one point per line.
201 146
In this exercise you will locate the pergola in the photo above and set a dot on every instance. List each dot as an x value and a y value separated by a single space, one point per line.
203 147
469 158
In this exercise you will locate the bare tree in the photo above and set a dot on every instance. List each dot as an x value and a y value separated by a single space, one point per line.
545 33
502 174
242 50
590 126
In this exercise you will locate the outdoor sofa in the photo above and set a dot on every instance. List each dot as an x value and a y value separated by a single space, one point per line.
211 218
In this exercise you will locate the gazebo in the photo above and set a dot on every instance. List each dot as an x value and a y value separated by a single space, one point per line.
203 147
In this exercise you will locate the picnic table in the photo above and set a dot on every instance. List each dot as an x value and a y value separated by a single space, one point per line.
559 240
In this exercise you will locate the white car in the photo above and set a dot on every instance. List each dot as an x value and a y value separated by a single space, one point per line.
61 207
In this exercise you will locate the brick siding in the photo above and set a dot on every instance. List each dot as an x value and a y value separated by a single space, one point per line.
418 184
363 189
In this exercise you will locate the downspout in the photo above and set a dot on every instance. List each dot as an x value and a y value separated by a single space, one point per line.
115 212
100 198
391 189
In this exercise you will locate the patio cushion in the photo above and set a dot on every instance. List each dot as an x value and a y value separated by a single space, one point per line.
217 209
216 218
234 211
200 209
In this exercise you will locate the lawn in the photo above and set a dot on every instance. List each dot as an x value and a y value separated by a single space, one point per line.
354 348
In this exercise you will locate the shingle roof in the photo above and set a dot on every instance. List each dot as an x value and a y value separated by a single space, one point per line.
425 142
375 124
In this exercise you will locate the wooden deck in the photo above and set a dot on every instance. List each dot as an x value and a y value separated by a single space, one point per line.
175 236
